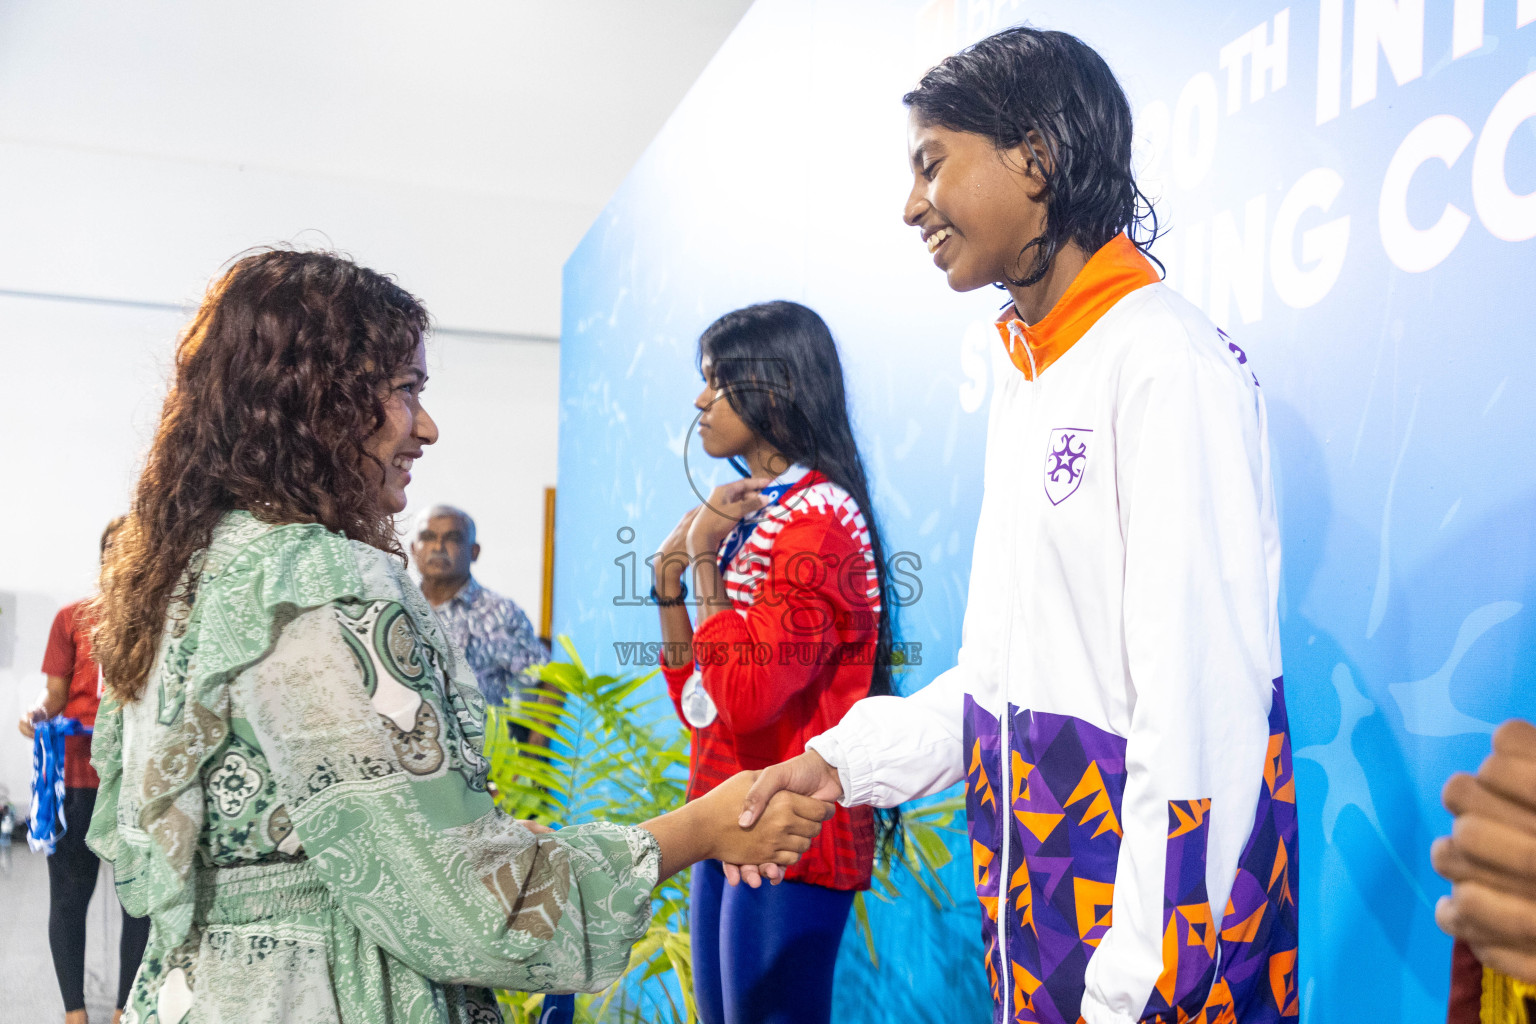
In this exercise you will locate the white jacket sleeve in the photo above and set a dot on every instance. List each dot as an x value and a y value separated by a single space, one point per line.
1201 554
891 749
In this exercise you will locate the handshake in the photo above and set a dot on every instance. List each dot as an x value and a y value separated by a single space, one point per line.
755 823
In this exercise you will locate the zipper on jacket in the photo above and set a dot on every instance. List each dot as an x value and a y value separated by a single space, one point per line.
1005 908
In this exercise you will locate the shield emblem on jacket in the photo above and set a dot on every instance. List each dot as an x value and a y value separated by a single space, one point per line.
1066 459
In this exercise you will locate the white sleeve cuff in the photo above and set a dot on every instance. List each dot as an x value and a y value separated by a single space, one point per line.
833 752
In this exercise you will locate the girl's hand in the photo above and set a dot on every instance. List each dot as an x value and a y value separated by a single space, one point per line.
672 557
779 836
30 718
808 774
728 505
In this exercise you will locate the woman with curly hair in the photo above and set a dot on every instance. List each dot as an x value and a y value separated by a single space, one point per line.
292 785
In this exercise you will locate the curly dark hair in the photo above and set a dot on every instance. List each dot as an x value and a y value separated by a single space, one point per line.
1024 86
279 382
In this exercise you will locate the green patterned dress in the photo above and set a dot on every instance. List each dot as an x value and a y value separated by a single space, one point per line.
298 801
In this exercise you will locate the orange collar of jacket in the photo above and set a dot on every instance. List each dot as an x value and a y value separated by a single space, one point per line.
1110 275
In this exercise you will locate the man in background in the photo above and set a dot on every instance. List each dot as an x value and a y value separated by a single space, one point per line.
497 639
74 691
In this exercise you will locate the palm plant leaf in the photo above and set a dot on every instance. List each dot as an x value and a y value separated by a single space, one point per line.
614 754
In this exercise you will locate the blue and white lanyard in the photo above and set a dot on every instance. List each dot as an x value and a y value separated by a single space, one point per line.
48 825
743 530
698 707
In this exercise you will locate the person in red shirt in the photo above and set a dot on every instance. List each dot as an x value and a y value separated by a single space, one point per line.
789 580
74 691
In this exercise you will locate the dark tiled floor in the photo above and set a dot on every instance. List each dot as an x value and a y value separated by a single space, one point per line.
32 995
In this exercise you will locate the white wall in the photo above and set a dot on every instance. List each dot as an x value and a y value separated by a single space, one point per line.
497 406
86 387
463 146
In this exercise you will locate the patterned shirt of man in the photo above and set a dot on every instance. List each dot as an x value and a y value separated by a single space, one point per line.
497 639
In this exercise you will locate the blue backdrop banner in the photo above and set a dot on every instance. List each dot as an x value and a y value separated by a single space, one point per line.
1349 189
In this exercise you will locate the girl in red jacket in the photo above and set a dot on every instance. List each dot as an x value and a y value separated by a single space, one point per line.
789 580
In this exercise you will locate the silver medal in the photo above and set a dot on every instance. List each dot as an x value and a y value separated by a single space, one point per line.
698 708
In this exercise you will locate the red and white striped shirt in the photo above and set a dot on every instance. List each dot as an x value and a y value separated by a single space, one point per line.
790 657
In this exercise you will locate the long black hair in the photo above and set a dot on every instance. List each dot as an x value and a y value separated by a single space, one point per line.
1024 86
777 366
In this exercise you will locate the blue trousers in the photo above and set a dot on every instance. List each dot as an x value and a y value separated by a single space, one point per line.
766 955
559 1009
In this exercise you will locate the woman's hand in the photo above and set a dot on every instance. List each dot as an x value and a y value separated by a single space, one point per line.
672 557
709 828
808 774
728 505
779 835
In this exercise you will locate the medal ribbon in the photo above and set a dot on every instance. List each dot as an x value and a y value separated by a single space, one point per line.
743 530
698 707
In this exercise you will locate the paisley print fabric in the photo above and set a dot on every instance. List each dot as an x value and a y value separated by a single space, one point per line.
247 822
298 801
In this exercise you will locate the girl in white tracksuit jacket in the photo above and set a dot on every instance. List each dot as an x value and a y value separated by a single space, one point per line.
1117 712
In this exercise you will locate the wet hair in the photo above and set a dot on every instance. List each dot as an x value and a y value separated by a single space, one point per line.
1052 94
279 382
778 367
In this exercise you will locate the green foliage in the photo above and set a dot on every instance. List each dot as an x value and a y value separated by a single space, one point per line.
611 757
921 854
614 755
